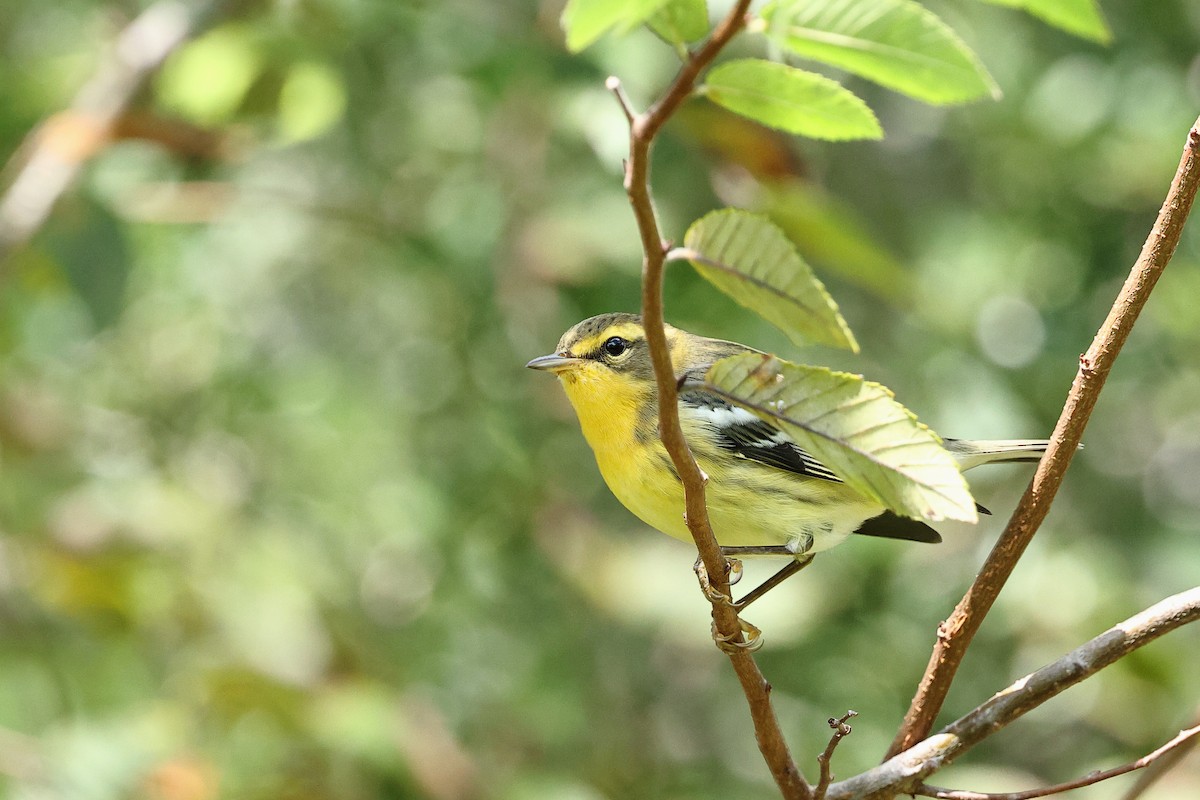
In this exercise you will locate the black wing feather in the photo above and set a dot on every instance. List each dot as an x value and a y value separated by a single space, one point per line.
759 440
893 526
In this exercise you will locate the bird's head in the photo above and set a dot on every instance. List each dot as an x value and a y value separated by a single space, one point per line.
606 347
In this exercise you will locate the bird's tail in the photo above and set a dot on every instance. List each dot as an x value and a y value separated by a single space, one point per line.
995 451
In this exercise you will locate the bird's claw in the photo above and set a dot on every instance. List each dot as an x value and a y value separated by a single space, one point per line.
734 568
750 635
748 638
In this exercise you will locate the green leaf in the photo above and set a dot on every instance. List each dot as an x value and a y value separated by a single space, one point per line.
750 259
896 43
853 426
791 99
680 21
1080 17
585 21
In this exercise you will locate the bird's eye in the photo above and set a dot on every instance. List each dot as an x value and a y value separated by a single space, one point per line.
614 347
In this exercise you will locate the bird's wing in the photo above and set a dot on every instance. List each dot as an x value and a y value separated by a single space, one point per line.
750 437
747 436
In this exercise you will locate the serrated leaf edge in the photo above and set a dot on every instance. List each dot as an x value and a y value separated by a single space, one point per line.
770 414
876 129
951 35
693 255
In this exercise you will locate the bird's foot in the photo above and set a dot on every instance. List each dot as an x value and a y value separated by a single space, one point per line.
733 569
748 639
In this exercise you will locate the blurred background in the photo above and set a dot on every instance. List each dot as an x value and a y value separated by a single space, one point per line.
282 515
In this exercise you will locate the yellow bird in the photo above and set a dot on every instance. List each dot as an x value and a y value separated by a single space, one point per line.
765 495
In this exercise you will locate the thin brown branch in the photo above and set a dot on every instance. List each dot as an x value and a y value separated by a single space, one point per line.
903 773
613 84
840 731
955 634
685 80
1162 766
727 627
48 162
1173 746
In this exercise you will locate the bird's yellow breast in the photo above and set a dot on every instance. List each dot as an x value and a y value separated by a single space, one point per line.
748 503
635 468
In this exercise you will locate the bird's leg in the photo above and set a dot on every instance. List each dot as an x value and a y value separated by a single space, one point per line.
758 550
735 566
795 565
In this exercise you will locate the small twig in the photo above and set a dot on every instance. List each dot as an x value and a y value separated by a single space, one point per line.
903 773
728 628
1087 780
1161 766
613 84
840 731
956 633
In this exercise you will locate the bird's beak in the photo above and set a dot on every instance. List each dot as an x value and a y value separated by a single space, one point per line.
553 362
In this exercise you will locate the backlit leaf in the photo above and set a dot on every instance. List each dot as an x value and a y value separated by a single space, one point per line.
896 43
1080 17
750 259
856 428
791 99
585 21
680 21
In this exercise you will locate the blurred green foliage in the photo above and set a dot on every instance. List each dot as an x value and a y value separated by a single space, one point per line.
282 516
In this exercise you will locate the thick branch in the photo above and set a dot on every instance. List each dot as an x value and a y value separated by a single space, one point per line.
1175 745
643 128
904 773
955 634
47 163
